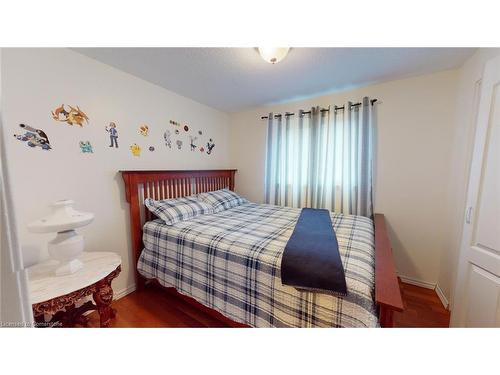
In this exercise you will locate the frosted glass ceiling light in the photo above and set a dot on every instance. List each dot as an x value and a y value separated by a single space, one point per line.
68 244
273 55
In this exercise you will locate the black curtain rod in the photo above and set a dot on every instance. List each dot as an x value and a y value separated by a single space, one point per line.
372 102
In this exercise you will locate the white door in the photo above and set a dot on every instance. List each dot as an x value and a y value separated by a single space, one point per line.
477 297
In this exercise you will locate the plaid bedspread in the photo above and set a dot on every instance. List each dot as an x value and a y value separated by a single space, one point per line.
230 261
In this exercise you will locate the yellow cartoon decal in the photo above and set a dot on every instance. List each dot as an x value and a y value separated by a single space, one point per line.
72 116
144 130
136 150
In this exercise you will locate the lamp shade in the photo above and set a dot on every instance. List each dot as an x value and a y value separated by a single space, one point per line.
273 55
62 218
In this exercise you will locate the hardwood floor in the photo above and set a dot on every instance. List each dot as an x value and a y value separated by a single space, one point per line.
154 307
423 308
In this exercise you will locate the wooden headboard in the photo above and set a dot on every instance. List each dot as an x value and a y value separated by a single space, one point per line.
140 185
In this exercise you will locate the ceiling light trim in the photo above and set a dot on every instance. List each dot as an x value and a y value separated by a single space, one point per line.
273 55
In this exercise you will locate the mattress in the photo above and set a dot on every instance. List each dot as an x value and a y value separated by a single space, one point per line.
230 262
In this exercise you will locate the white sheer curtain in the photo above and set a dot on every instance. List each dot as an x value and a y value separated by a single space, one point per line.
322 159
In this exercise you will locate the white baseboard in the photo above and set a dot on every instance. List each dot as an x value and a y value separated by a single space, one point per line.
427 285
122 293
412 281
442 297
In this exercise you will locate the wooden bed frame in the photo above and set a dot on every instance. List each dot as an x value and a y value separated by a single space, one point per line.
140 185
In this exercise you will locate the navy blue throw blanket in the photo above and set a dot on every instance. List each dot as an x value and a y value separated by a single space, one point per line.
311 260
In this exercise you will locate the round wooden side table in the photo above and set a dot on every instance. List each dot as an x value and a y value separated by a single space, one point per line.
58 295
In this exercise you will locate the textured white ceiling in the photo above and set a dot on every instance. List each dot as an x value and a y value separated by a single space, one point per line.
235 79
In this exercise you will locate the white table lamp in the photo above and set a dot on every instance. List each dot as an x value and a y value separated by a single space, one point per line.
67 245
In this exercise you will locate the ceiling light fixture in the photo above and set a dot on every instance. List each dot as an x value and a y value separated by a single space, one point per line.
273 55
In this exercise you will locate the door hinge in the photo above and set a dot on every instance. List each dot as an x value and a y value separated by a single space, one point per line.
468 215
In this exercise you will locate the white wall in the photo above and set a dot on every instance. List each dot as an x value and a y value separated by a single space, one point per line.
415 134
35 82
468 90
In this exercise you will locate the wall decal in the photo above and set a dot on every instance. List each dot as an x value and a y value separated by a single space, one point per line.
175 123
113 134
72 116
168 140
135 149
179 144
186 128
151 148
192 144
200 132
144 130
86 147
34 137
210 146
202 149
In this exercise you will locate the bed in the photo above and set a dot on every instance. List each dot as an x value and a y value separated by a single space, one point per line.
228 263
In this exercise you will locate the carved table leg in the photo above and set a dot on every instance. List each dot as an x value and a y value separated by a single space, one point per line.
39 320
66 317
103 297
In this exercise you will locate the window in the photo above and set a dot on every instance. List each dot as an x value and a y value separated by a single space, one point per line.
322 159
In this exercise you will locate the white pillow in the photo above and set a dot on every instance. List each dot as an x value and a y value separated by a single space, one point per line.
221 199
172 211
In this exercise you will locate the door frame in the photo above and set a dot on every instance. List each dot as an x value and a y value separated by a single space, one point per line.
481 129
15 307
